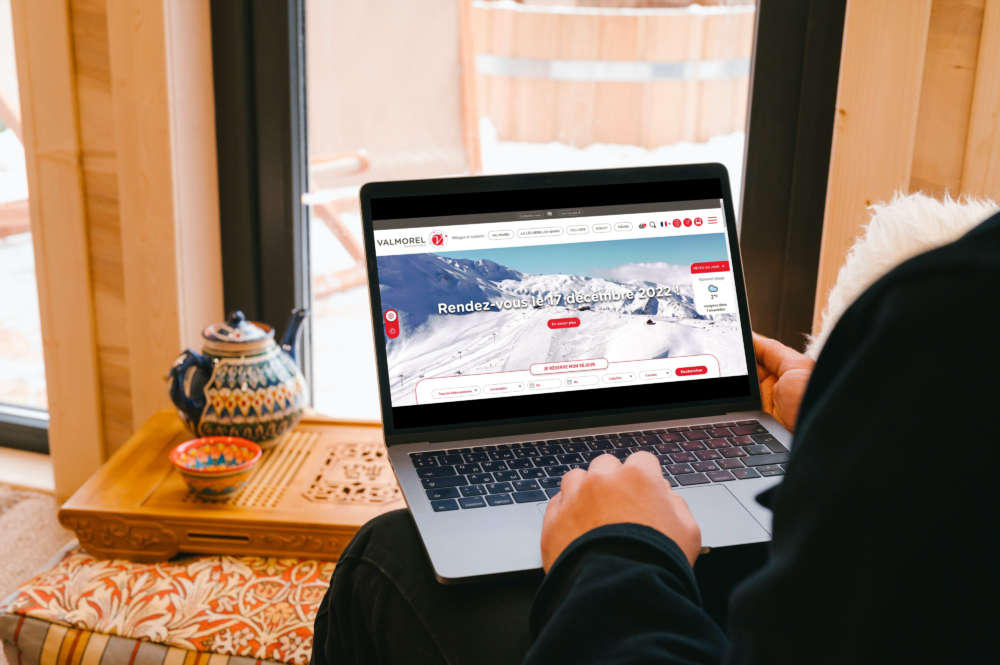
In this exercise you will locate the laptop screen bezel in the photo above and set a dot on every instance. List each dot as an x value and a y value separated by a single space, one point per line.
518 426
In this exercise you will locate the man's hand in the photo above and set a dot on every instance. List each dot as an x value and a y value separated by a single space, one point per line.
614 493
784 374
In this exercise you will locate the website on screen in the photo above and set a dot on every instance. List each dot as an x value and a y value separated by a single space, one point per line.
496 305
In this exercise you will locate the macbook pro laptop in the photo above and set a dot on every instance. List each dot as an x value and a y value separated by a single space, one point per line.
526 324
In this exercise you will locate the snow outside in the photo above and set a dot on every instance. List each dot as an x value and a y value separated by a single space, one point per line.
435 345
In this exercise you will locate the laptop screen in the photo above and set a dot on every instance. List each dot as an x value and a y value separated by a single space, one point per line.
490 312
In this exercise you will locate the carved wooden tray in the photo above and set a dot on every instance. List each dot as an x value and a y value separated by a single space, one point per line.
306 497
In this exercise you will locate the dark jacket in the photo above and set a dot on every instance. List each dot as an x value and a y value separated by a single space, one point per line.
884 525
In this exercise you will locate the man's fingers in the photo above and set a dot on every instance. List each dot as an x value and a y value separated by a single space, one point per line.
571 481
604 464
645 461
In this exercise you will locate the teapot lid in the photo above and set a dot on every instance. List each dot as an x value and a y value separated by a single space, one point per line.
237 330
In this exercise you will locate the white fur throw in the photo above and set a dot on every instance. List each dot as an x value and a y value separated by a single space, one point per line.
899 230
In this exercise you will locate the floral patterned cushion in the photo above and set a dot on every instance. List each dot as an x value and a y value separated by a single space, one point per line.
253 607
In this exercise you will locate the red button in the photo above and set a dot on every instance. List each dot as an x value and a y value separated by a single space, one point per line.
697 221
391 323
687 222
688 371
677 223
564 323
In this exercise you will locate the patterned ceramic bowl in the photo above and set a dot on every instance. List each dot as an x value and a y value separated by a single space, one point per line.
216 467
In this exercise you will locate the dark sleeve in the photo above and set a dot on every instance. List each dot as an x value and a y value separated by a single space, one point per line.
622 593
879 549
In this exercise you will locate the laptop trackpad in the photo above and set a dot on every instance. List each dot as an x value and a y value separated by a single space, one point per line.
722 518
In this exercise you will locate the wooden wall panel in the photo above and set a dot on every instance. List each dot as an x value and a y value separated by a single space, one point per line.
100 176
981 171
946 96
877 102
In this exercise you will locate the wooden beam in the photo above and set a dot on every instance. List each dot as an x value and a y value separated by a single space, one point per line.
981 171
161 73
877 104
47 85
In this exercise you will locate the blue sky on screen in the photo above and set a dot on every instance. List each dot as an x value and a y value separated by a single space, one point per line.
596 259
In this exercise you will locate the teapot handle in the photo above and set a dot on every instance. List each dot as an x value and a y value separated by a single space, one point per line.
192 406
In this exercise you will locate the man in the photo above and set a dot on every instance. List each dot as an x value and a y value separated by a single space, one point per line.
883 525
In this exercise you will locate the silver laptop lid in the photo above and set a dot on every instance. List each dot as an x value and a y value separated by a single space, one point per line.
512 304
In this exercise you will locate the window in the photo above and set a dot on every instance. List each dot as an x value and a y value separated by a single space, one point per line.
400 89
22 368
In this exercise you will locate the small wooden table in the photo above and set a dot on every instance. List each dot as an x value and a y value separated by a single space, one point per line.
306 498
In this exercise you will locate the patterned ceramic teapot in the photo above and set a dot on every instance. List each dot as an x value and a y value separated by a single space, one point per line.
244 385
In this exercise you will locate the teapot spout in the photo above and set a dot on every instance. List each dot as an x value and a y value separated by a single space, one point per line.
290 340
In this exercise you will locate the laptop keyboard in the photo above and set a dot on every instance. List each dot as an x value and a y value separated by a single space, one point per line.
501 475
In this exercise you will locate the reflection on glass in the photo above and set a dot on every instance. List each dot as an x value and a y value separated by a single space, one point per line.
22 368
401 89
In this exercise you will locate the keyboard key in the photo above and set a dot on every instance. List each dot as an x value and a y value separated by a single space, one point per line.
505 476
679 469
741 441
468 468
654 431
744 430
582 465
499 488
705 455
551 492
647 440
473 490
730 464
556 441
733 452
561 470
508 446
581 439
450 460
606 436
570 458
693 479
725 424
673 482
693 445
746 422
697 435
776 447
520 464
743 474
531 444
472 458
547 460
672 438
624 442
600 445
701 427
720 476
442 506
430 453
667 448
443 493
704 467
436 472
759 449
664 460
527 497
472 502
719 432
681 458
629 434
678 429
620 454
498 455
524 485
424 462
532 473
575 447
526 452
479 478
763 438
551 450
767 467
591 455
499 500
483 449
771 472
435 483
494 466
717 443
550 482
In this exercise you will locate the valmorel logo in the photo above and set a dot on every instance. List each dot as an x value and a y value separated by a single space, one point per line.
439 238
